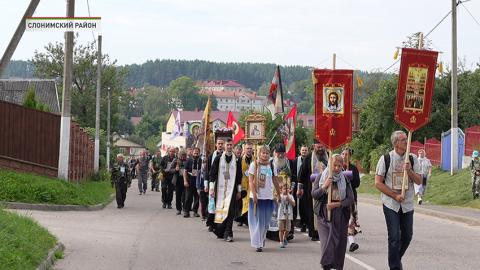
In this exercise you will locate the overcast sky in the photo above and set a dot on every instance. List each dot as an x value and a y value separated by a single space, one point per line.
302 32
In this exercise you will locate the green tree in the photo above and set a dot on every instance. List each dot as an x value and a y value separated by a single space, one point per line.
30 101
49 64
183 93
376 122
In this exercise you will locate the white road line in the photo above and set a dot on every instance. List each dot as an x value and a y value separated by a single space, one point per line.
351 258
357 261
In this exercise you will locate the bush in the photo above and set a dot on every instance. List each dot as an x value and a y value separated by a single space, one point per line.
375 155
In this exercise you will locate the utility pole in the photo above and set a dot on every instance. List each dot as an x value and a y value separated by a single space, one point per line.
96 162
17 36
64 154
454 101
108 129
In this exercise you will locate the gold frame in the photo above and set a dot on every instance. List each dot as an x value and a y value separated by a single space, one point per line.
259 119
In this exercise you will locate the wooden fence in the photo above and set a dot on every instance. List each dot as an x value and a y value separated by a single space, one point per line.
30 141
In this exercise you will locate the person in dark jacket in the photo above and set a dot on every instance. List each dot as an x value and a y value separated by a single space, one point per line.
354 177
168 168
313 165
120 180
193 167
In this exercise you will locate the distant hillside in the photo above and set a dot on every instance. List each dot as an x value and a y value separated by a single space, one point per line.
252 75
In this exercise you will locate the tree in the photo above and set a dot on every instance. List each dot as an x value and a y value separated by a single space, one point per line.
30 101
413 41
183 93
49 64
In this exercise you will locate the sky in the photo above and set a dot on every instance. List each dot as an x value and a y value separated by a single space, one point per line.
363 34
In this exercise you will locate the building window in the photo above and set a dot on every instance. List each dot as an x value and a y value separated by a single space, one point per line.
310 122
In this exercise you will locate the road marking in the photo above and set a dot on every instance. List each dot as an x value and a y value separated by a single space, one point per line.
351 258
357 261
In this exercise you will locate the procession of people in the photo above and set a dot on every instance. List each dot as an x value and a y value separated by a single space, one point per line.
239 177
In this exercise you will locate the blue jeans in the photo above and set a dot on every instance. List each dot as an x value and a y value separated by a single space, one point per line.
400 231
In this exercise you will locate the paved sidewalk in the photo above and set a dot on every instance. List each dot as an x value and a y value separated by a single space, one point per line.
469 216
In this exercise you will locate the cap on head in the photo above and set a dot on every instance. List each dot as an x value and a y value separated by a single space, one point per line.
475 154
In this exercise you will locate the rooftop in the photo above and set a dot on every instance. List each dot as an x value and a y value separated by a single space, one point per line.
14 91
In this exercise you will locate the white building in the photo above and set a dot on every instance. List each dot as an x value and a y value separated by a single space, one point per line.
233 96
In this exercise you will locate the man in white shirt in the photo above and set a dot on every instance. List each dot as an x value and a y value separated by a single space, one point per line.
397 208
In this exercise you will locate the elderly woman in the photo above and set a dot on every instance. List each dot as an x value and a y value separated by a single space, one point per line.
261 180
333 231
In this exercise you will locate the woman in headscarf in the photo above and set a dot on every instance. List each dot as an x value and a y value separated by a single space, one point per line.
333 231
261 180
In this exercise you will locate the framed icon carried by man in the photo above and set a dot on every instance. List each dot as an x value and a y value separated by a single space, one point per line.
333 99
255 128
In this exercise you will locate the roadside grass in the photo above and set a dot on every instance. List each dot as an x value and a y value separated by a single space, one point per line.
24 243
31 188
442 188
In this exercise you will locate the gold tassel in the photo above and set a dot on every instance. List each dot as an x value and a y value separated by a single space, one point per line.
440 67
395 55
314 80
359 81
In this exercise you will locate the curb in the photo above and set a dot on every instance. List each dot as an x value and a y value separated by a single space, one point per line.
50 260
57 207
430 212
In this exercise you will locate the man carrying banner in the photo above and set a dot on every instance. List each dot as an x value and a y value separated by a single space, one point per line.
397 208
226 174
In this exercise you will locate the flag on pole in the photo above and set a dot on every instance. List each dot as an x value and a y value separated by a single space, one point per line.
238 133
207 129
177 129
290 125
275 94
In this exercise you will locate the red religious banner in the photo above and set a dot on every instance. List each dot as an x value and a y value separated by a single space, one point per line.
333 106
415 88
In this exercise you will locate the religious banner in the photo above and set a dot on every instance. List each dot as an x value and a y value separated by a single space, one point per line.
333 106
238 133
415 88
289 140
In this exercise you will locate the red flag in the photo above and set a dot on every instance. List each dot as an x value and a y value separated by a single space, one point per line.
290 123
275 94
238 133
272 94
333 106
415 88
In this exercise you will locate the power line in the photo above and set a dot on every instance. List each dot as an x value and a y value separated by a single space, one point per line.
89 15
471 15
346 62
429 32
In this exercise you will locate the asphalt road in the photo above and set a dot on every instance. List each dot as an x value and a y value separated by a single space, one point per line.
145 236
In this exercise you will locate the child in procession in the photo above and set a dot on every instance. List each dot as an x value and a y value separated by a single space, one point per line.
286 202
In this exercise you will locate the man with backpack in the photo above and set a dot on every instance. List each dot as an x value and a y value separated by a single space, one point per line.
397 208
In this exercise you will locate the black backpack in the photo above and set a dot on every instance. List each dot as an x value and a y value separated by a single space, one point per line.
386 158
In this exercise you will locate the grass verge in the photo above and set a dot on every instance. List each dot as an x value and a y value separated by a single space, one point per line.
24 244
31 188
442 188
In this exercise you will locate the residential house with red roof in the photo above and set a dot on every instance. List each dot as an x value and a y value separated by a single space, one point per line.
232 96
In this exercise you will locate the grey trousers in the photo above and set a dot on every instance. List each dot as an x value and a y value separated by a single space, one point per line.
142 182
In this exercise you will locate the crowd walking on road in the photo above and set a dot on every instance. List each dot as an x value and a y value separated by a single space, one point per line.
273 195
